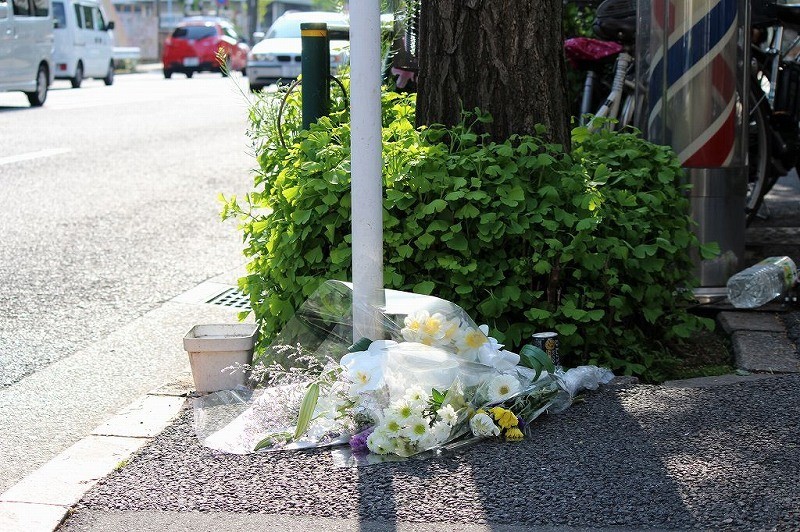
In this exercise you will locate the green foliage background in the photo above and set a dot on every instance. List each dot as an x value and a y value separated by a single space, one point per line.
593 244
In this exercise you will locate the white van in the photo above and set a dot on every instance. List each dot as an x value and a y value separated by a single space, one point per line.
26 48
84 41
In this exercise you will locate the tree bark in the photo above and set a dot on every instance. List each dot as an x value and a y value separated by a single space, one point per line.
502 56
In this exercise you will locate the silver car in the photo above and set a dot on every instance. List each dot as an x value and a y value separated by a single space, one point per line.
277 57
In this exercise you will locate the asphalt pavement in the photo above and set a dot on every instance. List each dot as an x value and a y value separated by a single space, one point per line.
719 453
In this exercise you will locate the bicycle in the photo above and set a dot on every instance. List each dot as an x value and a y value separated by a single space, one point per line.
774 107
615 24
775 104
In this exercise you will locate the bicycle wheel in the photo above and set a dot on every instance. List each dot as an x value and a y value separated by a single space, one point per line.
758 178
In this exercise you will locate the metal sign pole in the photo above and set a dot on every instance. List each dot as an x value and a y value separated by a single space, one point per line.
315 60
366 164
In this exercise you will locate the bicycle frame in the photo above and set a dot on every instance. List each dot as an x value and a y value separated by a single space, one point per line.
611 105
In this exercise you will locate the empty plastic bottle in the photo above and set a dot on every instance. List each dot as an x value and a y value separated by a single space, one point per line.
762 282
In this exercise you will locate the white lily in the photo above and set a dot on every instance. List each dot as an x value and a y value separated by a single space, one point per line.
364 369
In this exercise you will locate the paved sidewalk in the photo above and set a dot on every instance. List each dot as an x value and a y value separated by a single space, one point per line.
718 452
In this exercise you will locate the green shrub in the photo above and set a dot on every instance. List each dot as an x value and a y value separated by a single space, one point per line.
593 244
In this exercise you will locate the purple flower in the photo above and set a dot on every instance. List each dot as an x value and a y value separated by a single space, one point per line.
358 443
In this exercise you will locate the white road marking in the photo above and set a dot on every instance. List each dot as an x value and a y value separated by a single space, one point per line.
32 155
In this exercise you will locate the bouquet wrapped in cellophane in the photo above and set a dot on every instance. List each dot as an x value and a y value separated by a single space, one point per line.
429 379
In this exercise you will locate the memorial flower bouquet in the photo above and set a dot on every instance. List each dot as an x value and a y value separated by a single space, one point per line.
432 379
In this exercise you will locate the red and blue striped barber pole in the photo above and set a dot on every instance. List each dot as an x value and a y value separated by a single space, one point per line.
695 60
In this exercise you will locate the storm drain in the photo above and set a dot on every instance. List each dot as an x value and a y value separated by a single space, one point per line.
231 298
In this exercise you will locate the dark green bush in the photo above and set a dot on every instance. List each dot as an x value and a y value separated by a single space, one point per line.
593 244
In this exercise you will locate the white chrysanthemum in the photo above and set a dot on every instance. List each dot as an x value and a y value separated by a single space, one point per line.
379 443
469 341
482 425
417 397
392 425
448 415
416 428
404 409
502 387
426 442
412 332
441 432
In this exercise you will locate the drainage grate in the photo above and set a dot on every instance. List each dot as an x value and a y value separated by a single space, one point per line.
231 298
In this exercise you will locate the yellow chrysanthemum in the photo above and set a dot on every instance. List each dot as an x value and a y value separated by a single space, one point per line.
504 417
514 434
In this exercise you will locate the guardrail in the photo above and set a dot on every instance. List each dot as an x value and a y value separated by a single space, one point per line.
129 53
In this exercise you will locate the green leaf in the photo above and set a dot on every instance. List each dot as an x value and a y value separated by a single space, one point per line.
542 267
566 329
307 410
313 255
536 359
425 240
537 314
436 205
468 211
291 192
458 242
362 345
710 250
425 287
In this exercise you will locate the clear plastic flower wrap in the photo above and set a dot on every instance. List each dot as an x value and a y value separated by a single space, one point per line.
432 378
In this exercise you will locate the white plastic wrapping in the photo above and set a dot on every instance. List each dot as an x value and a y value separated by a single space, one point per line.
433 380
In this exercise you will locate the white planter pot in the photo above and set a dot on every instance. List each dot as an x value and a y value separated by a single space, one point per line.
214 347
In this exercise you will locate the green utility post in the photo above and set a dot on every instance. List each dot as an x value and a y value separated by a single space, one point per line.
316 60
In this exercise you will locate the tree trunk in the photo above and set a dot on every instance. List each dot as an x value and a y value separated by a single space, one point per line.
502 56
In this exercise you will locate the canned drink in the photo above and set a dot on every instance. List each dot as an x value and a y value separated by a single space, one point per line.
547 342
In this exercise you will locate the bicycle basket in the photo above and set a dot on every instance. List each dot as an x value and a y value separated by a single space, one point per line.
615 20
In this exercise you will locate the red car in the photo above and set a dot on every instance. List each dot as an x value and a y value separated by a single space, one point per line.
194 44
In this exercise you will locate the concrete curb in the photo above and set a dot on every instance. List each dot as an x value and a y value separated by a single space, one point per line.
760 343
42 500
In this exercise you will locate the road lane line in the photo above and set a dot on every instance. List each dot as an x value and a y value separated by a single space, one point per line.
32 155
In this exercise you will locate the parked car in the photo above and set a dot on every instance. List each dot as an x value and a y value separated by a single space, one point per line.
277 57
83 41
26 48
194 44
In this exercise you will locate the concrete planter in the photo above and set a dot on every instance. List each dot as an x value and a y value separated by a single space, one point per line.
214 347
